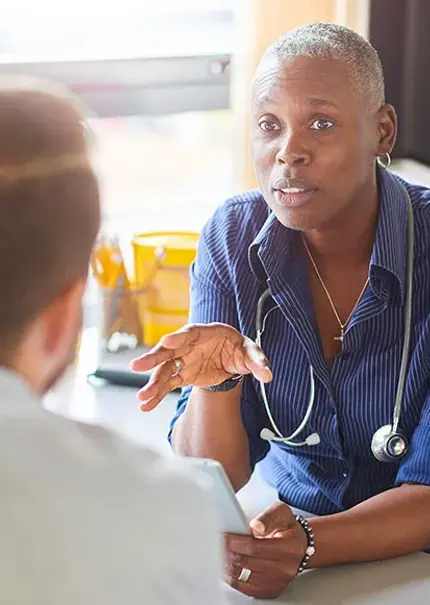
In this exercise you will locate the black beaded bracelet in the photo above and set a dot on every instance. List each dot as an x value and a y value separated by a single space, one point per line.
227 385
310 550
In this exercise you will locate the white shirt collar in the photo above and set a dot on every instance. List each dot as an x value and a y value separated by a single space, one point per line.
16 394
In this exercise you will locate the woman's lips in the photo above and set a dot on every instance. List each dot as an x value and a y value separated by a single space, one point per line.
294 197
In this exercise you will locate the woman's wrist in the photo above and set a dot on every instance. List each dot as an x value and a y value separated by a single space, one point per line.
226 385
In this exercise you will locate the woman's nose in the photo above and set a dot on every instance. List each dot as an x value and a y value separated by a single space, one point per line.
292 152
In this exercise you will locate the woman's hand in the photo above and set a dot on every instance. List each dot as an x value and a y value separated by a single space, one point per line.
205 354
272 555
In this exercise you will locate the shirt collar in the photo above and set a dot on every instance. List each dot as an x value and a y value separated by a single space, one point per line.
16 394
274 243
390 248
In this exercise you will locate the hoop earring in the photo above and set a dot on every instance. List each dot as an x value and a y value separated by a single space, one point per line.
386 162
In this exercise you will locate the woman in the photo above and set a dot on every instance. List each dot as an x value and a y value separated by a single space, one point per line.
327 239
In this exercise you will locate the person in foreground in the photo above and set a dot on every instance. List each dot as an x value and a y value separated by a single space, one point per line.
320 265
86 517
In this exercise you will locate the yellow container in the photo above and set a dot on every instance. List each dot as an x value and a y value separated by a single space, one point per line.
162 262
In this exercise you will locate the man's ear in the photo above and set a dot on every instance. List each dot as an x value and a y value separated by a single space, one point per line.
63 317
387 129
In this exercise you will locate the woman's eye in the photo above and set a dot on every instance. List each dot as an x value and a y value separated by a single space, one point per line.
268 126
322 124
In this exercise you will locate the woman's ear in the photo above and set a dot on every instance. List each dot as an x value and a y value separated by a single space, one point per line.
387 127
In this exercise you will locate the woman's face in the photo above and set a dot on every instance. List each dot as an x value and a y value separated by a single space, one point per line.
314 140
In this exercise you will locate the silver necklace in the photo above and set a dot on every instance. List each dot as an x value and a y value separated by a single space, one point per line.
342 325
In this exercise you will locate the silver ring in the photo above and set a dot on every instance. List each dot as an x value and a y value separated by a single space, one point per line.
244 575
178 367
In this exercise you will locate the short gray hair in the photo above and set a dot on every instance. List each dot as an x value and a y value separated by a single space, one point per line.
332 41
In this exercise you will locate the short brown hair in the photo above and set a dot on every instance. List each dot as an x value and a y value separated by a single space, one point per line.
49 202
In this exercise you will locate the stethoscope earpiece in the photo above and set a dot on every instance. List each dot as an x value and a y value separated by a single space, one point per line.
313 439
268 435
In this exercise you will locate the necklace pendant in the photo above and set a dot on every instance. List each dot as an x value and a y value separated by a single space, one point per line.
341 335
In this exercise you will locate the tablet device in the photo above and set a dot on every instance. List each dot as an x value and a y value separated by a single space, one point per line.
231 518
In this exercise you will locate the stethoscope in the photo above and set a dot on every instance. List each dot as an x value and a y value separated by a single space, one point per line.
388 443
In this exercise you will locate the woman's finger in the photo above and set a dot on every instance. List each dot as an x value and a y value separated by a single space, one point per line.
163 380
257 584
256 361
268 578
233 566
158 381
250 588
168 348
155 357
148 406
186 337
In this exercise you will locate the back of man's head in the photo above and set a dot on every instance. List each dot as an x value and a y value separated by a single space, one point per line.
49 205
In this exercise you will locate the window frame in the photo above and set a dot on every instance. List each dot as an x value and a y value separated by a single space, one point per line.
140 86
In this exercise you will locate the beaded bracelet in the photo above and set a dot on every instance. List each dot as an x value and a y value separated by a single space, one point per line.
310 550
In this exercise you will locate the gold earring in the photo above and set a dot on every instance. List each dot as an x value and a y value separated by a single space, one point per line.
386 162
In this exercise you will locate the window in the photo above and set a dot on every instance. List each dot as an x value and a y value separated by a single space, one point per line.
156 75
88 30
165 172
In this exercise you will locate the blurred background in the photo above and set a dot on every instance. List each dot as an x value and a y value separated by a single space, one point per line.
157 76
168 82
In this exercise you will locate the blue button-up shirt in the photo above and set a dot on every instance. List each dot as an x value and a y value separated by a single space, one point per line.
244 249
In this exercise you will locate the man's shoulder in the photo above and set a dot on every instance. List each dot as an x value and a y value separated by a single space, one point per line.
103 508
70 465
74 454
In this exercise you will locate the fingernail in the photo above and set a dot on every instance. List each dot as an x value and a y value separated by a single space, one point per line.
263 360
134 365
258 526
258 357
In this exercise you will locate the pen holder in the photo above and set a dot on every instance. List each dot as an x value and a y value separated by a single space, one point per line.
120 326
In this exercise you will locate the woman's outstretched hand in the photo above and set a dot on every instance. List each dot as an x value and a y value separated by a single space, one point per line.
200 355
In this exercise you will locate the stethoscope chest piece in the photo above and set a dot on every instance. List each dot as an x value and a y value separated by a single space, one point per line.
388 445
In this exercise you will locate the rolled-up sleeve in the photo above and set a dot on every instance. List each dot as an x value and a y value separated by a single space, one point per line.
213 300
415 468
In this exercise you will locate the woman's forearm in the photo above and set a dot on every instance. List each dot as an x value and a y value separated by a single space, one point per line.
211 427
394 523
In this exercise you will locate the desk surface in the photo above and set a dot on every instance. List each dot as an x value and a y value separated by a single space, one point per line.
403 581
